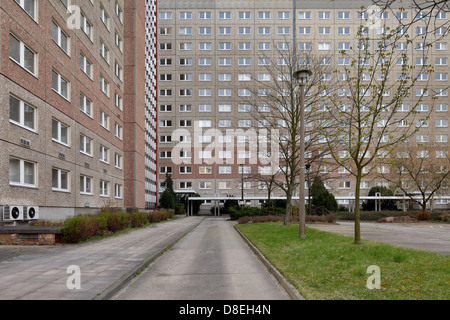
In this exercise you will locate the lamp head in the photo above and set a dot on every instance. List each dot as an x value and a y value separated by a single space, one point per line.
302 75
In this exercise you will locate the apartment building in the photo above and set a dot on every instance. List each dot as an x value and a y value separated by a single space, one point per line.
65 136
209 52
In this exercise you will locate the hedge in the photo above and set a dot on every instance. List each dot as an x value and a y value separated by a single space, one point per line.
83 227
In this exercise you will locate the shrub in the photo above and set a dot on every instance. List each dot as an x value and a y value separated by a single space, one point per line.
82 227
423 216
159 215
117 221
139 219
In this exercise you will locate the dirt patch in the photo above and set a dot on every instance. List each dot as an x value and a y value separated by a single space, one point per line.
401 219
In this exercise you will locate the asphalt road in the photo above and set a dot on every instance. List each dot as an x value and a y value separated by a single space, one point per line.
433 237
212 262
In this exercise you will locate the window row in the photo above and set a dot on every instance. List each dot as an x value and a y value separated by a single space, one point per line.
25 115
306 30
302 15
263 46
282 61
24 173
20 53
31 8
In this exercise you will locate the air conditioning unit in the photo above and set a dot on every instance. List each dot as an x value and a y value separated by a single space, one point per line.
30 213
12 213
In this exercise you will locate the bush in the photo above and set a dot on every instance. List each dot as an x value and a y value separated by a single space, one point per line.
139 219
159 215
117 221
237 212
423 216
81 228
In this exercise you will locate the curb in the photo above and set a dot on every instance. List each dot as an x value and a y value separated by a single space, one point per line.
119 284
292 292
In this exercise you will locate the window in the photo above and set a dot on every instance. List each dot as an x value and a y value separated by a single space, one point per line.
165 15
104 85
185 185
224 15
85 105
85 145
60 132
441 107
205 15
21 54
324 15
441 123
60 180
205 61
85 185
185 170
104 154
244 15
104 17
284 15
344 15
304 30
118 161
244 30
224 123
224 30
104 120
118 131
86 65
165 31
185 15
104 51
60 84
284 30
86 26
104 188
118 191
22 172
304 15
22 114
118 71
224 170
324 30
183 108
186 30
60 37
264 30
344 184
29 6
119 12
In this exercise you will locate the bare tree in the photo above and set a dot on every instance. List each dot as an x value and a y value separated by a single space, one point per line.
417 169
275 103
363 116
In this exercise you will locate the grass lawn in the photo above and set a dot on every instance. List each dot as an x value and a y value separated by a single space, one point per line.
330 266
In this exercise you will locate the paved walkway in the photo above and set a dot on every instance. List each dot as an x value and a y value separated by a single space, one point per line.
40 272
211 263
434 237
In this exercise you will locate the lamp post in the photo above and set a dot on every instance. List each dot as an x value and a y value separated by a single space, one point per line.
302 77
242 185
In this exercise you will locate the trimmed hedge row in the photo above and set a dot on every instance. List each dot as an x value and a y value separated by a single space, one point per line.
435 215
83 227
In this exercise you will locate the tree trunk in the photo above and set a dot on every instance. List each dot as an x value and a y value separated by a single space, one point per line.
287 215
357 209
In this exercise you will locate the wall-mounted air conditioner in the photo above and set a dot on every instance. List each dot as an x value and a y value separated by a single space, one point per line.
30 213
12 213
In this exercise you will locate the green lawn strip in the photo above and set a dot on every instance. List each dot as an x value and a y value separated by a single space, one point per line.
330 266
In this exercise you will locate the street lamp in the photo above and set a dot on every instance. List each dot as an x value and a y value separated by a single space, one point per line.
242 185
302 77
